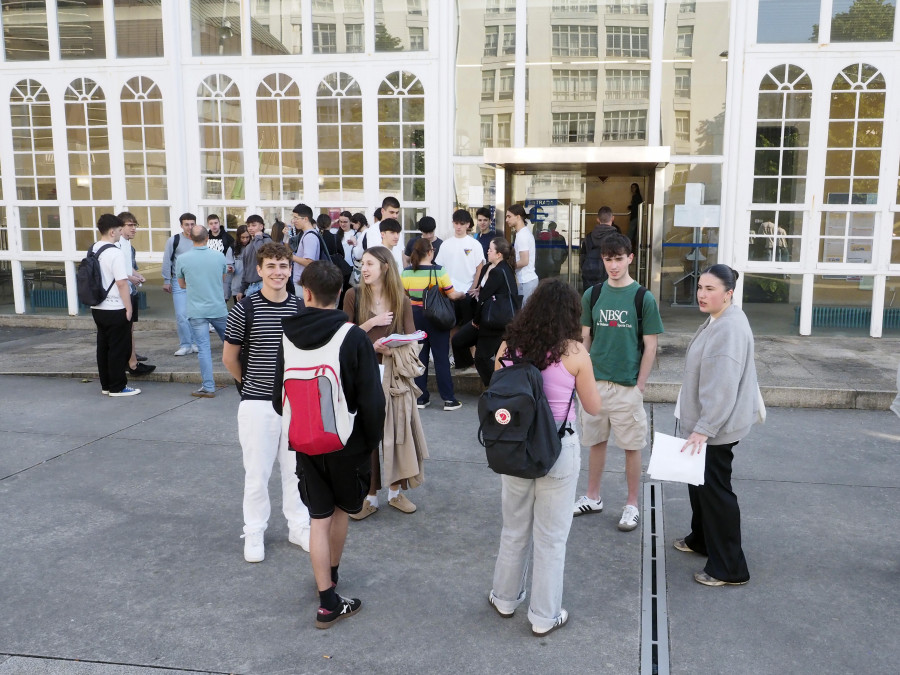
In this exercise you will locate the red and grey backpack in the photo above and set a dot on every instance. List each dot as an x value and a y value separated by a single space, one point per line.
316 418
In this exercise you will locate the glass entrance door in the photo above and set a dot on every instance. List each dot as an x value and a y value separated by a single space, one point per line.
554 201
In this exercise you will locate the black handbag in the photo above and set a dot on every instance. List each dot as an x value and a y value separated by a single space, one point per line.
438 308
497 312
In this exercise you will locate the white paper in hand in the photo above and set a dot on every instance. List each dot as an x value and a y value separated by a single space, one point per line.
667 462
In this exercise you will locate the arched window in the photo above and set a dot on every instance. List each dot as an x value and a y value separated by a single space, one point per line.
35 166
401 137
87 137
221 145
339 110
780 164
143 137
852 165
279 138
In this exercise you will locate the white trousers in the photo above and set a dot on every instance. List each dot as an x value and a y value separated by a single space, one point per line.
537 511
259 430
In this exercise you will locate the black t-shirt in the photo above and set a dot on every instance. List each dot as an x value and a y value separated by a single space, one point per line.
435 244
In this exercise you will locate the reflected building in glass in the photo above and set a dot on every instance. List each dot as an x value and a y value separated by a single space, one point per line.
763 134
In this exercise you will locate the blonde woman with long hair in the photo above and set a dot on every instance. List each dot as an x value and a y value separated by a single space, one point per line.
380 306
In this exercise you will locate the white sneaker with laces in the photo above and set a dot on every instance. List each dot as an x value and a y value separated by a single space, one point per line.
630 518
585 504
182 351
254 546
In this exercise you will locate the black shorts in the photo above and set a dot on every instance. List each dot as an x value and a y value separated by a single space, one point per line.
134 307
465 309
333 480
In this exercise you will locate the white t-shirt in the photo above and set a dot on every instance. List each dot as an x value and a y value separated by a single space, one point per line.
525 242
369 238
125 245
112 268
460 256
397 252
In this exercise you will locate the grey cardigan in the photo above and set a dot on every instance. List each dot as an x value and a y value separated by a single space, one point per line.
719 393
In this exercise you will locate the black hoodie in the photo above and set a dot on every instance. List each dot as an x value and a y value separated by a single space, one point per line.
360 376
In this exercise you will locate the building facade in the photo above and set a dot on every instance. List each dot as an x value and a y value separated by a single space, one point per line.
763 134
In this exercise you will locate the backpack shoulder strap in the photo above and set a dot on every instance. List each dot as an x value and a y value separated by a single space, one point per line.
595 296
175 243
639 313
97 256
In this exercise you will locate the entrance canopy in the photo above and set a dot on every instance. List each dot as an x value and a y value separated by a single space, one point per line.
592 160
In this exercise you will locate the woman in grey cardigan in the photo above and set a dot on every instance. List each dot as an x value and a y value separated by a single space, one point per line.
718 404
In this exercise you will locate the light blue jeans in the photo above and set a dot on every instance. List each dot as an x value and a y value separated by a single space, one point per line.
526 289
538 510
200 332
179 300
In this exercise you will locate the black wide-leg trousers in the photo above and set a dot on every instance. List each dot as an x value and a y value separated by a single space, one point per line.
716 519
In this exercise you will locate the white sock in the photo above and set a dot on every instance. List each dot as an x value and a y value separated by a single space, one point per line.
373 500
392 493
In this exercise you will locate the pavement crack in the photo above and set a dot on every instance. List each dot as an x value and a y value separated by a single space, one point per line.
118 663
94 440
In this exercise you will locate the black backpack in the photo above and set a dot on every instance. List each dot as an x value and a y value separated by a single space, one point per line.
516 426
89 280
593 271
638 310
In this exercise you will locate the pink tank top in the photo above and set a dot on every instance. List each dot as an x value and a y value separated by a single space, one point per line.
559 384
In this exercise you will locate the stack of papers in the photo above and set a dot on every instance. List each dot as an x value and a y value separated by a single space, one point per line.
398 339
667 462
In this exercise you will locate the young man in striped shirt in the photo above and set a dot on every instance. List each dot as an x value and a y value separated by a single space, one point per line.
252 337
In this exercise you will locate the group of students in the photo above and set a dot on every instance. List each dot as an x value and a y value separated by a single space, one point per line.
600 346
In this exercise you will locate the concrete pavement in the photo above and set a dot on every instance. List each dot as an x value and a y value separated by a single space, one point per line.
121 553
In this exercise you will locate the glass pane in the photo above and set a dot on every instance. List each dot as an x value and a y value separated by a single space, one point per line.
794 21
216 27
399 28
765 191
838 162
843 105
275 27
770 106
799 106
25 35
139 28
867 163
856 21
840 134
337 28
767 162
871 104
81 33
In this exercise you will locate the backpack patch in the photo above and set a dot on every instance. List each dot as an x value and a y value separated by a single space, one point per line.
316 419
89 280
516 426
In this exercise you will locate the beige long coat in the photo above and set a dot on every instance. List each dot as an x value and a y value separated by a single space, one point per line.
404 443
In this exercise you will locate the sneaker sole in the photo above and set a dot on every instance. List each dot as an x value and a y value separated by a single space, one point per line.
587 512
453 407
254 560
547 632
324 625
624 527
719 582
684 548
497 609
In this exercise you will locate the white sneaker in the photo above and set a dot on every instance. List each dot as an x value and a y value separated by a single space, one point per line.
559 623
183 351
300 537
630 518
585 504
254 546
895 408
194 349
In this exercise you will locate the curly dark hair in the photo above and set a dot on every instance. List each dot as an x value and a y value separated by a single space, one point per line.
541 331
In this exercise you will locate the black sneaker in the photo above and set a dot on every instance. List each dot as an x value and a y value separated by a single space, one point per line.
141 369
348 607
140 358
452 405
421 405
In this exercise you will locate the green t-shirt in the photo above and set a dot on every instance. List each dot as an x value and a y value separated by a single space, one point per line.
614 348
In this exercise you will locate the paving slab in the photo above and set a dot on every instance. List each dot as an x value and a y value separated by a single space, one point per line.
127 551
818 492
